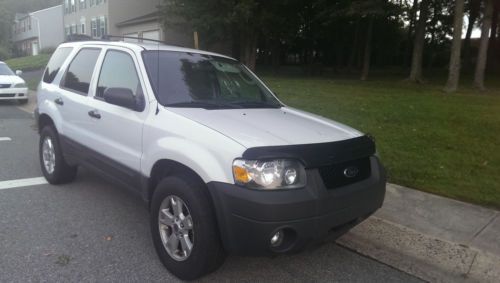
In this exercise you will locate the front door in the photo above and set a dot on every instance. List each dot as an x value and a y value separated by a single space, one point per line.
117 131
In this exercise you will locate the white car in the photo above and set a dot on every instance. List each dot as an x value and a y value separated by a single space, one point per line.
12 87
222 164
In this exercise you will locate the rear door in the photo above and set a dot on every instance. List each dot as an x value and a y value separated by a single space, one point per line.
73 98
117 131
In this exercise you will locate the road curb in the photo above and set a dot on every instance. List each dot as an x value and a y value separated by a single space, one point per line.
421 255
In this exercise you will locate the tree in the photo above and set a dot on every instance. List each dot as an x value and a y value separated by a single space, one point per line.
418 48
456 45
483 47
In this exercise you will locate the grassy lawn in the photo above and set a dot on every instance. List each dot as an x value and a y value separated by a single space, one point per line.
443 144
29 63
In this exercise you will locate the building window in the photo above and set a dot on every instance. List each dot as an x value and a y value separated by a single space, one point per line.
93 24
66 7
83 4
67 30
103 26
92 3
73 6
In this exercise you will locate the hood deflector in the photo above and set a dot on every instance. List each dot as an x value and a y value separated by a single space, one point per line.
317 155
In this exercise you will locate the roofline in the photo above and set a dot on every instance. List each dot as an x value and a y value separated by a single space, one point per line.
31 13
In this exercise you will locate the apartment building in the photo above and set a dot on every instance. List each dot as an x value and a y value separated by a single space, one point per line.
133 18
38 30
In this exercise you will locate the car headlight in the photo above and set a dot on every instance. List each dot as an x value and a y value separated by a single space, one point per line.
20 85
269 174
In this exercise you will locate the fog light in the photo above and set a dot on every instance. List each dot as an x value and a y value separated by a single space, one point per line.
290 176
277 239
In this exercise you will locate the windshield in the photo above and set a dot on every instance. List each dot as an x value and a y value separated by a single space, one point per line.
5 70
192 80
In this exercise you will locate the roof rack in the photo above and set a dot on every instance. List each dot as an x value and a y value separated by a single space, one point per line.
123 37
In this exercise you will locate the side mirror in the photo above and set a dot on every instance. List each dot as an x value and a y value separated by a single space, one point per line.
123 97
19 72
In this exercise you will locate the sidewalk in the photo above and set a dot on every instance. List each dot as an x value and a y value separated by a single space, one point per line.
432 237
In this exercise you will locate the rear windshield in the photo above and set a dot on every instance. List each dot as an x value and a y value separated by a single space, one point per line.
183 79
5 70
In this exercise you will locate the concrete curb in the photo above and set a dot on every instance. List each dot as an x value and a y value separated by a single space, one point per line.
421 255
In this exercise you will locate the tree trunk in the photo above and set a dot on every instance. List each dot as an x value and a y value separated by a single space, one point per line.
418 48
475 6
493 45
368 50
355 45
483 47
456 46
249 49
411 28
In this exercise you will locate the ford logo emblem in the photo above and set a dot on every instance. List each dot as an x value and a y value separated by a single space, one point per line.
351 172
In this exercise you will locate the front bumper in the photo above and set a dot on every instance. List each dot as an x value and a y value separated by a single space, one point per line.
248 218
13 93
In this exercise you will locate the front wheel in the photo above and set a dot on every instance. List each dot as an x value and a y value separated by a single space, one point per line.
54 167
184 229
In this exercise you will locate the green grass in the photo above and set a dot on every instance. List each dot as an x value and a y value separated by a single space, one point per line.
29 63
33 83
428 140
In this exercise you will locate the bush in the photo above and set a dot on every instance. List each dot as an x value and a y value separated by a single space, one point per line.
48 50
4 53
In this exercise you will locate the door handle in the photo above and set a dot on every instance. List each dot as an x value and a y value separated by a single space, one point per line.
59 101
94 114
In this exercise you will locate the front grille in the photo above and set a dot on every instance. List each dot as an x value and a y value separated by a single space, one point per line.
342 174
4 85
7 94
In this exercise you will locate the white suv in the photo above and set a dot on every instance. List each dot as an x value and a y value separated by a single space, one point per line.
223 165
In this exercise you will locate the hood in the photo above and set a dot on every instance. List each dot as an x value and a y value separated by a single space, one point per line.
10 80
269 127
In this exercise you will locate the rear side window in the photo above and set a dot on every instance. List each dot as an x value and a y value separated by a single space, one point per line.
80 71
55 63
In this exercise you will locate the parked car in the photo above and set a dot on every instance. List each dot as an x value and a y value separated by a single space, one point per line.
12 87
223 165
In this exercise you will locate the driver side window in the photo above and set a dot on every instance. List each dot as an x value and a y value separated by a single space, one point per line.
118 71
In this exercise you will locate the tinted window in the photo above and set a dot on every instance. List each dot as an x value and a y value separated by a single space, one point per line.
194 80
5 70
80 71
55 64
118 71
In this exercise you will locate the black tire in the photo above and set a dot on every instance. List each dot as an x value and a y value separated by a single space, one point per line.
22 101
207 254
62 173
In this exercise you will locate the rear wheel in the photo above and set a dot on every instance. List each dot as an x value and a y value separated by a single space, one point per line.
184 228
54 167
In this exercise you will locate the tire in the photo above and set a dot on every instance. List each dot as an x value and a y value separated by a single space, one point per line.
22 101
207 253
61 172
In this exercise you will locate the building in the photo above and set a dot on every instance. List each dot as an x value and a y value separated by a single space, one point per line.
38 30
133 18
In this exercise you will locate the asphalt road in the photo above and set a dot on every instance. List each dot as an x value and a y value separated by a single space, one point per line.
93 230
